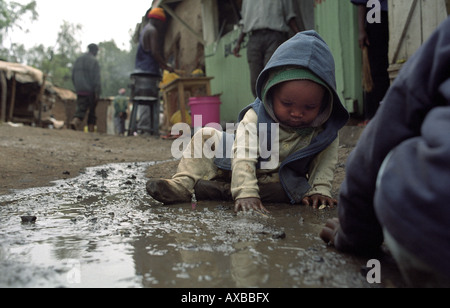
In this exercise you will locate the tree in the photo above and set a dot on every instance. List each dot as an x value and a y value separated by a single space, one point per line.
62 57
116 66
11 13
56 61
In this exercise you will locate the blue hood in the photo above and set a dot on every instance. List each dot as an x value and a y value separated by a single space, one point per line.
307 50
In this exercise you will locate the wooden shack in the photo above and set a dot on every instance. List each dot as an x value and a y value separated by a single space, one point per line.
26 97
411 22
20 88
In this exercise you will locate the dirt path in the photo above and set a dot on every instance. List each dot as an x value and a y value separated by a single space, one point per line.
33 157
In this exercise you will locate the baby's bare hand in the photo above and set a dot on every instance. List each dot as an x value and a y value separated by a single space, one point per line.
317 200
248 204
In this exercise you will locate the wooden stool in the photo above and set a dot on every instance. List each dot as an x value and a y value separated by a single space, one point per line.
181 86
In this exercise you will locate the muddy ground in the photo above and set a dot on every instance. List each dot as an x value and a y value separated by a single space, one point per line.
34 157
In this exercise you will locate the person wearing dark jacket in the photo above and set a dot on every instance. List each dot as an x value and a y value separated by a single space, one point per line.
397 179
374 35
298 104
87 82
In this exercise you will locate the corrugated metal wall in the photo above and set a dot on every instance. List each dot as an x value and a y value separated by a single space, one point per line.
336 22
231 76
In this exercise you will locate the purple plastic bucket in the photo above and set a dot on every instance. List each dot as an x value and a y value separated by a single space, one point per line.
206 106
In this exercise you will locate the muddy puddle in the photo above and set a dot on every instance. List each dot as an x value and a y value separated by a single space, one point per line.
101 229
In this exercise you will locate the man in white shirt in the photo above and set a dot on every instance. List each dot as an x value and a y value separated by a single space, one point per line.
267 23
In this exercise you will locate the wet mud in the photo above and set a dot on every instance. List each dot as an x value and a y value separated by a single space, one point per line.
101 229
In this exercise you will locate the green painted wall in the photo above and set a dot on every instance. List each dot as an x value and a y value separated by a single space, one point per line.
336 22
231 76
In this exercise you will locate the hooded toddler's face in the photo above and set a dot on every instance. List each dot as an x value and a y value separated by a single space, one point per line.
297 103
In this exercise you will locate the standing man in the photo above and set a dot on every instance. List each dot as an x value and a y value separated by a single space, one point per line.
374 36
150 59
87 82
267 24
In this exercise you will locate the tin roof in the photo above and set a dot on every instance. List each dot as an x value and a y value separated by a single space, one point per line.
23 73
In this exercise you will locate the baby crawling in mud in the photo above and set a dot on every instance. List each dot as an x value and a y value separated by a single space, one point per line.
285 146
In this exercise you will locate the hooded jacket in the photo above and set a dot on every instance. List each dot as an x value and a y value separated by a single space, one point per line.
412 129
309 51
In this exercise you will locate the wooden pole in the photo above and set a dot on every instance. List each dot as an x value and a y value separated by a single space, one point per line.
39 100
4 88
13 97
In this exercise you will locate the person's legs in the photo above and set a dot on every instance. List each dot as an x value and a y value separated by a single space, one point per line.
80 112
144 116
255 58
416 273
92 106
193 167
220 189
119 125
379 63
122 126
272 40
414 228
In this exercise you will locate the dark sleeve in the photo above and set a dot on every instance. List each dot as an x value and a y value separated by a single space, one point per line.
421 85
359 2
96 78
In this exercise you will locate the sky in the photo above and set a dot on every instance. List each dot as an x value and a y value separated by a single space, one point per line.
102 20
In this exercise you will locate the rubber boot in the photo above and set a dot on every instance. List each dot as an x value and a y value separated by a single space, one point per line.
273 193
213 190
221 191
167 192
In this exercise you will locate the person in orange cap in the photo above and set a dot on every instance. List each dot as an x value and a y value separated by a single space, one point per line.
150 60
157 13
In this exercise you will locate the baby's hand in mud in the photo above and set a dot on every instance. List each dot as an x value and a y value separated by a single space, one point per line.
248 204
317 200
328 233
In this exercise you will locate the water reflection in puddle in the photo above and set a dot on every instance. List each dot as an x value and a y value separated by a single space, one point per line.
102 230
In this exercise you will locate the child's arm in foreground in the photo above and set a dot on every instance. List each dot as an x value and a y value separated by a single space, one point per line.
321 176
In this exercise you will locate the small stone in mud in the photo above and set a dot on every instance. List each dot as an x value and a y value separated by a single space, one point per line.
279 235
103 173
66 172
223 207
318 259
28 219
